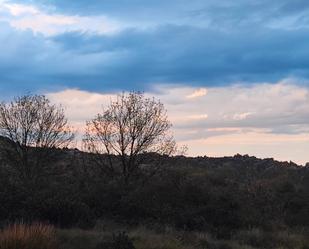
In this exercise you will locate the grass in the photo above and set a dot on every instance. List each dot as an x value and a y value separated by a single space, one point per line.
168 238
39 236
283 239
22 236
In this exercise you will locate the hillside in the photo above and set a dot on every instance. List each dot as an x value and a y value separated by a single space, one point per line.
216 195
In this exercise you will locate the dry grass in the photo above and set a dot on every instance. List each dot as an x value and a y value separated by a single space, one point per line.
282 239
22 236
168 238
40 236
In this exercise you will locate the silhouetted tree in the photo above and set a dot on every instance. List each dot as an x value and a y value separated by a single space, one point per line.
131 127
32 125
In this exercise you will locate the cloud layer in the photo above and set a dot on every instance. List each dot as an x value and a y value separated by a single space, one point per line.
58 44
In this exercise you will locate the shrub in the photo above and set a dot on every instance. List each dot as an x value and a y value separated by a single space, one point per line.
66 213
79 239
118 241
212 244
35 236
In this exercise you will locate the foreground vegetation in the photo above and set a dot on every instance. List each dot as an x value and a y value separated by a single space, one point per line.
231 202
107 235
22 236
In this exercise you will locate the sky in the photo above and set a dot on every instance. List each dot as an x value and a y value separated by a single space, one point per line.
233 75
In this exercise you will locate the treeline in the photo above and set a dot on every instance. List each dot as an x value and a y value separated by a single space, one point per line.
130 173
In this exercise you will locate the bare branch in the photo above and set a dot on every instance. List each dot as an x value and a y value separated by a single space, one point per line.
130 126
33 125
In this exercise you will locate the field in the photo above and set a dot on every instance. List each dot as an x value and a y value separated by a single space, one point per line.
108 235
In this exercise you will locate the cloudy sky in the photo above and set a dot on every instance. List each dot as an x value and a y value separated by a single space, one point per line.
233 75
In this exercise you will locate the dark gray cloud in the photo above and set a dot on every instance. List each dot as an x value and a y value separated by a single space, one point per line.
135 59
217 43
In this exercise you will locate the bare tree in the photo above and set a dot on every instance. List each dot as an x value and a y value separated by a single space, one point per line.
131 126
33 125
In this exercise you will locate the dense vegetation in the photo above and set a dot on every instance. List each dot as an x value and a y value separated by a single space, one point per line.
219 195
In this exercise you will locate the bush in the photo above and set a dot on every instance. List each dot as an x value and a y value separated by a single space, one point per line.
66 213
118 241
35 236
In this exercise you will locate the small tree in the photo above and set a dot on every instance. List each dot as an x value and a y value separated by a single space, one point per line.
33 125
130 128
